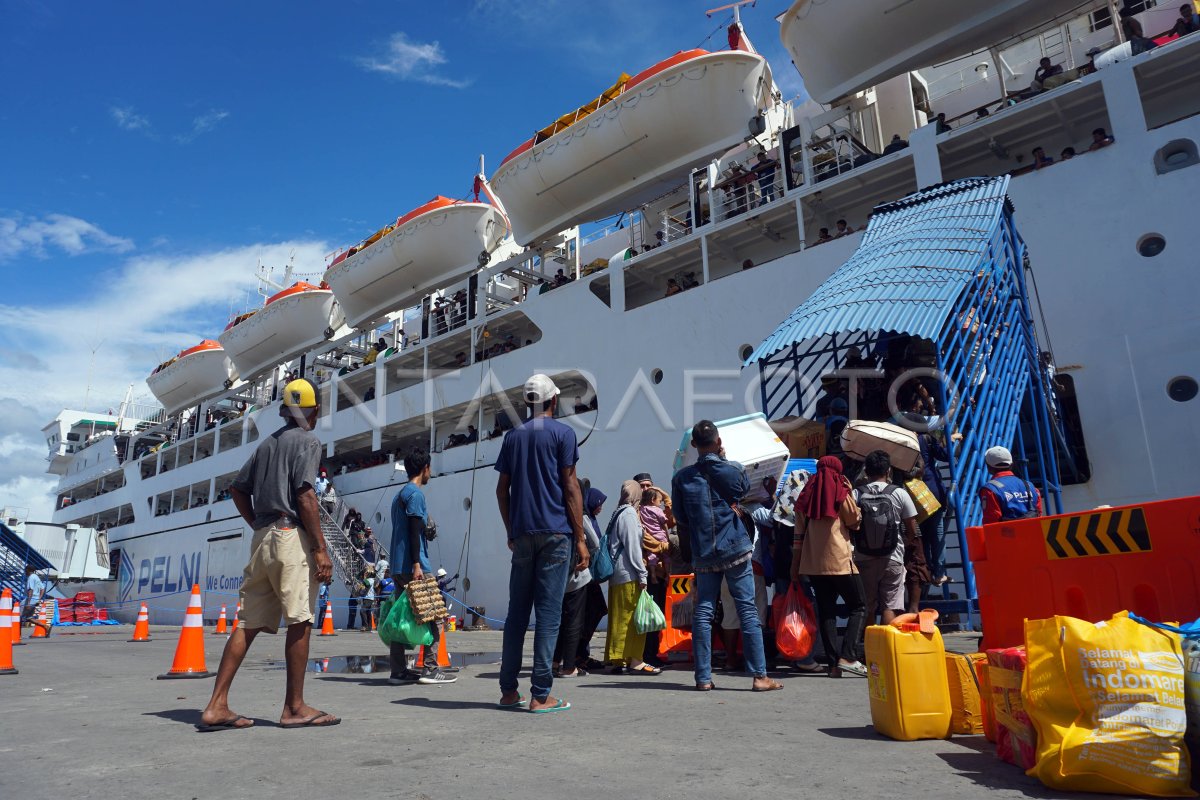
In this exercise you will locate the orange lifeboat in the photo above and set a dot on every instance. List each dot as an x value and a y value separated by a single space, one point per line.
637 140
191 377
291 322
432 245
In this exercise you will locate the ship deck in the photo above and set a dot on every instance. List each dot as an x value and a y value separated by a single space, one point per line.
91 715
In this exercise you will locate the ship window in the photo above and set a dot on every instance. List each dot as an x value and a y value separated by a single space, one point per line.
1151 244
466 504
656 375
1175 155
1182 389
378 517
745 352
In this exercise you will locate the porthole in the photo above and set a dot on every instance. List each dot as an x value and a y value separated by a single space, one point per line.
466 504
745 352
1151 245
1182 389
656 375
378 517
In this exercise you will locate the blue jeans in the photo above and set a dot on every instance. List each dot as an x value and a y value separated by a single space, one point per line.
933 537
537 582
740 580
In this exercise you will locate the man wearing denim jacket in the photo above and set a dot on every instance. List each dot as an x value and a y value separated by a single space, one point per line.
706 497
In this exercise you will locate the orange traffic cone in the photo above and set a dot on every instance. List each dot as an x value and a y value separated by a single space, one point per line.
327 623
16 627
373 628
237 612
141 630
443 657
41 628
189 653
6 662
222 625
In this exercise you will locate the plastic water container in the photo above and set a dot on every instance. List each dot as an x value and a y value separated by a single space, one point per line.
906 676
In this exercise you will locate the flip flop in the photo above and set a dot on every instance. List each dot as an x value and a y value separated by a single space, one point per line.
561 705
810 669
311 722
774 686
644 669
705 687
513 706
228 725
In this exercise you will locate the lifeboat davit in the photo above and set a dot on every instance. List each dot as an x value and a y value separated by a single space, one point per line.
193 376
431 245
844 48
634 142
292 321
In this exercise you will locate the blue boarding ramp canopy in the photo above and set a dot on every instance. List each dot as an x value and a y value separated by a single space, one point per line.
15 555
928 325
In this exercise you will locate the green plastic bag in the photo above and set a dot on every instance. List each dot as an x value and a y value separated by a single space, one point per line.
647 616
398 626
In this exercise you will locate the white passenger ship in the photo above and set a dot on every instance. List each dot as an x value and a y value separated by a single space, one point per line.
454 288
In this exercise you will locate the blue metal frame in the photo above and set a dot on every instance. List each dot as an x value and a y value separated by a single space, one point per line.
986 351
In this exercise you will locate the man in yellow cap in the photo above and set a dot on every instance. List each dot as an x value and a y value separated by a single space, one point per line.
288 559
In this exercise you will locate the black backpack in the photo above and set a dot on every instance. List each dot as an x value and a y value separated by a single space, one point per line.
880 530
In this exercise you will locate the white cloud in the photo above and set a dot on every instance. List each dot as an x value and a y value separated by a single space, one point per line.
74 236
151 307
203 124
129 120
412 61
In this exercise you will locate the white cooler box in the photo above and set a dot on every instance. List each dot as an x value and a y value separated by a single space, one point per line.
862 437
748 440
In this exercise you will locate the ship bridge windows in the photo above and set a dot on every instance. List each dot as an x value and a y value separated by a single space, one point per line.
1004 141
1166 81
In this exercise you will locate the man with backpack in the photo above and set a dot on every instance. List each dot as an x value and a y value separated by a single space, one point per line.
889 525
1006 495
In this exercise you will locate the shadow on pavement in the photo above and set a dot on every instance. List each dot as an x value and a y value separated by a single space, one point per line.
191 717
978 762
445 704
866 732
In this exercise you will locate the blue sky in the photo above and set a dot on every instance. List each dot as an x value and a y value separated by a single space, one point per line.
152 153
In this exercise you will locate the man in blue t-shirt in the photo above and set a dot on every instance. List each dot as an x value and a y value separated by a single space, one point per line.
35 592
410 559
542 508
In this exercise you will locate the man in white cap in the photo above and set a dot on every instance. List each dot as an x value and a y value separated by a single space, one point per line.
542 508
1007 495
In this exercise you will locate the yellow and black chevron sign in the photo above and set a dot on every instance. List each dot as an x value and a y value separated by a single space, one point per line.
681 584
1101 533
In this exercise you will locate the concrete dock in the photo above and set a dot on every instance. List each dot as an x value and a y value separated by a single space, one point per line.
86 718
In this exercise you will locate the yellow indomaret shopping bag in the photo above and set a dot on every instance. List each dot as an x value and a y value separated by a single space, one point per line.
1107 701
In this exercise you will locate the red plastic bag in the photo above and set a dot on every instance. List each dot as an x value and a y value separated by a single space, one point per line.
795 625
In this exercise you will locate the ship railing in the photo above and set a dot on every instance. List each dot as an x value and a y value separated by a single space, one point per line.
348 562
745 191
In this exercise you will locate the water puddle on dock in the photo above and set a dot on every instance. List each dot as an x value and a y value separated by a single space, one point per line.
368 665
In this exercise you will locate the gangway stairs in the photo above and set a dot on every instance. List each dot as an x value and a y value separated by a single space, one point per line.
941 273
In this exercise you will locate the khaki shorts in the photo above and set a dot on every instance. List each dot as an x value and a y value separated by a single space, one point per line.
883 585
280 581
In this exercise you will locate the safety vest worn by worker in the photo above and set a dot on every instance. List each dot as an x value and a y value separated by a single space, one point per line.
1016 496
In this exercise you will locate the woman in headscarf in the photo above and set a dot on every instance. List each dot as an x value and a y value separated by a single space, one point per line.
825 515
575 600
625 646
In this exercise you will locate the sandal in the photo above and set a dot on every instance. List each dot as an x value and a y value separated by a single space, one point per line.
705 687
811 669
772 686
578 672
644 669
